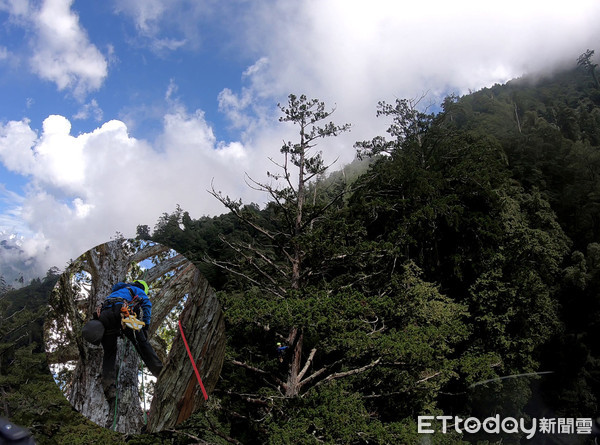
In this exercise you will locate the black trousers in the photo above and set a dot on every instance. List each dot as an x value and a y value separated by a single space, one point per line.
111 319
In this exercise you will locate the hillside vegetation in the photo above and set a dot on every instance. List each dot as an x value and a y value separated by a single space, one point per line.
464 247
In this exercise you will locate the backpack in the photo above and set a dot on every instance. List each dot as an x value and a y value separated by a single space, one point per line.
93 331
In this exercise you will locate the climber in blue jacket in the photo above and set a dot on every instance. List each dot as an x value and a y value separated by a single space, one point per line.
124 291
135 295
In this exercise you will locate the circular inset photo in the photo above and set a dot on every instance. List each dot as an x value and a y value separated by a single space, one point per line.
134 336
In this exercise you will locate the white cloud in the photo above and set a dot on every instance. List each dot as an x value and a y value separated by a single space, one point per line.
10 220
338 49
164 25
355 50
91 109
61 50
16 7
146 14
255 69
16 141
85 188
250 110
354 54
171 91
161 45
234 106
63 53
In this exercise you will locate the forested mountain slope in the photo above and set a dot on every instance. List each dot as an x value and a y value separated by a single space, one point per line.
465 250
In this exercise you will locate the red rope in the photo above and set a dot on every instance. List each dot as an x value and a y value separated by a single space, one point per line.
193 362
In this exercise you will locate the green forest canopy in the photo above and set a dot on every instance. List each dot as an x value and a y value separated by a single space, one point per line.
465 248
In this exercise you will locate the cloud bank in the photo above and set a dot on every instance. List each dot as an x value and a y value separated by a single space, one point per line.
84 188
354 54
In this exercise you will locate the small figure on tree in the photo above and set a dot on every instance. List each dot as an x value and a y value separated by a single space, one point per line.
281 351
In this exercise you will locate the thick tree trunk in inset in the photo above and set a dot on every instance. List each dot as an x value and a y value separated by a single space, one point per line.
129 415
177 393
174 278
172 292
107 264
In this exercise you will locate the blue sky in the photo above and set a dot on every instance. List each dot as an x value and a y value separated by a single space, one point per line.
114 112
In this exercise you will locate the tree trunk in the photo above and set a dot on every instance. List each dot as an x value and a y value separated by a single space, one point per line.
295 338
177 393
106 265
178 286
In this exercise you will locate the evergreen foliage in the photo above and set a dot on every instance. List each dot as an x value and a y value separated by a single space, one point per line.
465 247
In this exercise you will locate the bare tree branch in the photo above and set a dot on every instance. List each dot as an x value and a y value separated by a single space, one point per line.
164 267
148 251
256 266
232 268
191 436
307 364
14 313
424 379
259 371
15 341
287 175
316 214
339 375
237 213
317 373
396 393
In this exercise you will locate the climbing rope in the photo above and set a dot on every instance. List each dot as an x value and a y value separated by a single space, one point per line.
193 362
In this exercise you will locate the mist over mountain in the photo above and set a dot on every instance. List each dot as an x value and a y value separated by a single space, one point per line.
16 266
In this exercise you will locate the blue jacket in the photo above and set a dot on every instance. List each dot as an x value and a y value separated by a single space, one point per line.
120 290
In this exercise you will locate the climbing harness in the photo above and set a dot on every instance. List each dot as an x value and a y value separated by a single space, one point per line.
192 360
128 310
129 319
